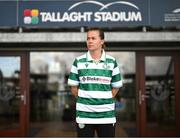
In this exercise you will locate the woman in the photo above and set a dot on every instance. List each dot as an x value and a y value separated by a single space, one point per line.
95 80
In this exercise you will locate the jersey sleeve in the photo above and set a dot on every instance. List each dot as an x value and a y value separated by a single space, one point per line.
73 79
116 81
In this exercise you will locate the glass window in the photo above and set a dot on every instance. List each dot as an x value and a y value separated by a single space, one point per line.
160 91
9 92
51 99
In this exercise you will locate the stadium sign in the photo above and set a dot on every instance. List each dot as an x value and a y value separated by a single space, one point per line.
99 16
82 13
78 13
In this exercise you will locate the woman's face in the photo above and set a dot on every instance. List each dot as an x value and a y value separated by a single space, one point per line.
94 41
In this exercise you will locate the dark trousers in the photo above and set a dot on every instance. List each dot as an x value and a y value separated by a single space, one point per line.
102 130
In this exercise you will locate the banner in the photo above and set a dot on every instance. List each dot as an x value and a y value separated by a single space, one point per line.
82 13
8 14
76 13
164 12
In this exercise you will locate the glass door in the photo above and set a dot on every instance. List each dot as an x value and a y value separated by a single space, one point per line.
13 94
158 94
52 106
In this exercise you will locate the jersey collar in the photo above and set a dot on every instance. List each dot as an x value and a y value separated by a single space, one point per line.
89 58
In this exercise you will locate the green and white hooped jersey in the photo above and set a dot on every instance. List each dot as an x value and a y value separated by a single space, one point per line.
95 104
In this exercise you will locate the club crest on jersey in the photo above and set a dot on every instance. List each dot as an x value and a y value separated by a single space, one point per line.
106 66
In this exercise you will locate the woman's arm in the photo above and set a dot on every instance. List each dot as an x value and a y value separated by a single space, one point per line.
114 91
74 90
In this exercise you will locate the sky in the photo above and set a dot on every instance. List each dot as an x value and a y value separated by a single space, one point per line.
154 65
123 58
126 61
8 65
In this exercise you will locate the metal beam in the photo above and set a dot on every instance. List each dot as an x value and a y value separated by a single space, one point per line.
69 37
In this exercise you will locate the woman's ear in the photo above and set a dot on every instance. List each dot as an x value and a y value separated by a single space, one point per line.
102 42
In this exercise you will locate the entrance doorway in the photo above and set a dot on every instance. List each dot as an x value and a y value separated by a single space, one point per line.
148 100
13 93
158 80
52 110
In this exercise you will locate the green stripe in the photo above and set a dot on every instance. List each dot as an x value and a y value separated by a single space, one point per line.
116 78
75 62
109 60
94 101
82 60
115 64
95 87
73 76
95 72
108 114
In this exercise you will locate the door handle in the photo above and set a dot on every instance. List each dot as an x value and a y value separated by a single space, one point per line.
22 97
142 97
